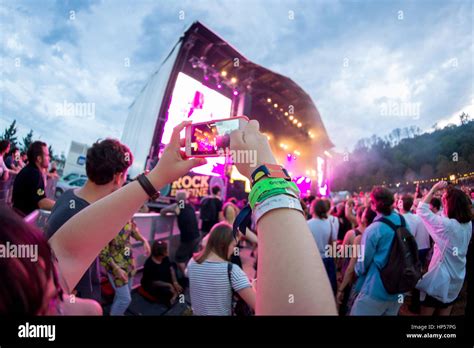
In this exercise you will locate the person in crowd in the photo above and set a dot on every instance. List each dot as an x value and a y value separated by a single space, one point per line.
324 236
4 171
41 288
23 159
29 187
288 262
230 210
211 210
159 277
332 214
451 234
372 298
422 237
210 286
351 234
13 160
188 228
346 294
416 227
53 172
470 271
107 163
344 223
435 205
117 259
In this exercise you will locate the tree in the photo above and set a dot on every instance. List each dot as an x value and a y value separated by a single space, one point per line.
27 141
464 118
9 134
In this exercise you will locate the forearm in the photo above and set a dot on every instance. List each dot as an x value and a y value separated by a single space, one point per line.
429 196
80 240
292 279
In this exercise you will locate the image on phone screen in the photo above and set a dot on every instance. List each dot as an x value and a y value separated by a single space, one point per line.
209 138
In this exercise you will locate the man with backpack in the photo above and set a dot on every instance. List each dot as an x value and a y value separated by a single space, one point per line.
211 210
390 266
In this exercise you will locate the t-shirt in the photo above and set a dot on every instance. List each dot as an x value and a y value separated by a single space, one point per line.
210 288
323 233
419 231
65 208
153 271
10 162
28 189
187 224
3 165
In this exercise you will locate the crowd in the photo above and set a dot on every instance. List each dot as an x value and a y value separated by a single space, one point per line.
366 255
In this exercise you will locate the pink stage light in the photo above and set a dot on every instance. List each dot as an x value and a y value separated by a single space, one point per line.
219 86
236 93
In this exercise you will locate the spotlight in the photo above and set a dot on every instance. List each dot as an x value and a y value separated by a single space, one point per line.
291 118
233 80
295 121
219 86
286 113
275 105
224 73
269 100
299 124
235 93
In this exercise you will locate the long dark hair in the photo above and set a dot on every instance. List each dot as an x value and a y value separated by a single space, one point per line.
458 205
23 282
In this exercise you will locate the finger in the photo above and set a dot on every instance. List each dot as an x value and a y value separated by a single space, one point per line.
174 141
236 139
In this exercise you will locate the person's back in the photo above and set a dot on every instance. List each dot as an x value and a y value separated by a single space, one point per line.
210 289
28 189
321 231
187 223
65 208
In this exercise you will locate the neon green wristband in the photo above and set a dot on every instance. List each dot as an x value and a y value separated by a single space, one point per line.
266 189
265 185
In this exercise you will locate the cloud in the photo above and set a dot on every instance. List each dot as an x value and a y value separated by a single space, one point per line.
352 58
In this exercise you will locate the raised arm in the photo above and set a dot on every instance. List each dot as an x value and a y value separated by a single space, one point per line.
81 239
291 276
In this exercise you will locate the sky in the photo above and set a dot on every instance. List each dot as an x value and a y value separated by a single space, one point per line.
370 66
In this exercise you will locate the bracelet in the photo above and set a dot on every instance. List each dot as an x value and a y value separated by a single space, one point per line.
277 202
148 187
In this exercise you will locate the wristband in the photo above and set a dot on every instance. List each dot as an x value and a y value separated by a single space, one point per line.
277 202
270 187
270 171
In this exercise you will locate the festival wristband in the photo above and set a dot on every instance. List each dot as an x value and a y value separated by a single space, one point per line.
277 202
269 184
289 190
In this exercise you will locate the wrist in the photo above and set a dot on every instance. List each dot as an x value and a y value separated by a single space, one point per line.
156 179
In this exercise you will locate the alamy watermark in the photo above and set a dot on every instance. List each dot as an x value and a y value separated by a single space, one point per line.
400 109
21 251
79 110
345 251
240 156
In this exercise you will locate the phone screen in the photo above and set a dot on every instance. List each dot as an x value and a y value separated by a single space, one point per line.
212 137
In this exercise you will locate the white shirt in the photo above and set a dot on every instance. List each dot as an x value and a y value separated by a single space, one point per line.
451 242
418 230
323 234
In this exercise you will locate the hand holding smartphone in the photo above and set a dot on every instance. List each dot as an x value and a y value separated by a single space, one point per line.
210 139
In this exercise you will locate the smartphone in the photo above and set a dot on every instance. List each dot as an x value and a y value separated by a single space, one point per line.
210 139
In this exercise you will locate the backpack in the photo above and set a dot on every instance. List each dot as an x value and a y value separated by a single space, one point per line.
403 269
207 211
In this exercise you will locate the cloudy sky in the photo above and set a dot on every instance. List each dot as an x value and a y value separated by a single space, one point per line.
369 65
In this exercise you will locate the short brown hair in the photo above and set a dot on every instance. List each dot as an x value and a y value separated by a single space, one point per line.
382 199
35 150
220 237
407 200
320 208
105 159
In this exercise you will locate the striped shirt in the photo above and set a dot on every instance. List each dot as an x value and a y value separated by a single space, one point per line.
210 288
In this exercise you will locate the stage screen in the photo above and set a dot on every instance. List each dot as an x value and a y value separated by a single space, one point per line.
193 101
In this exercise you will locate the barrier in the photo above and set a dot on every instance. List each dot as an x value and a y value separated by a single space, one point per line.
152 226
